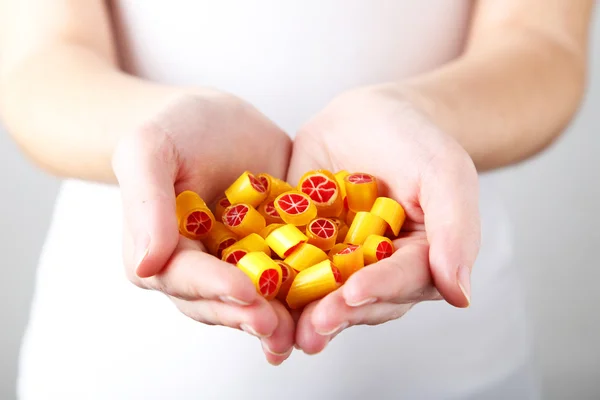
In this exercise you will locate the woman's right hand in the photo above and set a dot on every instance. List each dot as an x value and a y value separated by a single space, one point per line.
201 142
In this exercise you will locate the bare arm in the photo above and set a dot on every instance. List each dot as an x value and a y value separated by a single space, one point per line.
518 83
62 96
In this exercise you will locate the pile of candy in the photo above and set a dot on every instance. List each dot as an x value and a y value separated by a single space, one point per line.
296 244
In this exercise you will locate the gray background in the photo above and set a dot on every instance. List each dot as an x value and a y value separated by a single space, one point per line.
554 201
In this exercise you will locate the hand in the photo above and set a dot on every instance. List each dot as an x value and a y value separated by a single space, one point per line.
376 130
200 142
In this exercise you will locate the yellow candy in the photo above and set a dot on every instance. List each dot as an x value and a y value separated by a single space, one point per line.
295 208
222 204
377 248
391 212
246 189
322 232
264 273
243 220
322 188
218 239
266 231
288 274
267 209
364 224
349 260
305 256
361 191
313 284
194 218
252 243
339 177
285 239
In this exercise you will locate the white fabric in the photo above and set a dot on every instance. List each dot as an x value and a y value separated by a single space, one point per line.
93 335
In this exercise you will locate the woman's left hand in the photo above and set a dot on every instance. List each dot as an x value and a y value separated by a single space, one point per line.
378 131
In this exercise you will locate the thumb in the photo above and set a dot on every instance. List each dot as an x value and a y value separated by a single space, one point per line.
450 201
145 165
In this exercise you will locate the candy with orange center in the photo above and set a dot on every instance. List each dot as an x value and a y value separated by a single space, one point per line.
295 208
377 248
194 218
285 239
313 283
221 205
391 212
349 260
364 224
323 189
246 189
361 191
264 273
242 219
288 274
267 209
322 232
218 239
304 256
251 243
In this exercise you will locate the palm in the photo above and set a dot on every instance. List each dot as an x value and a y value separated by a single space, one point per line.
367 132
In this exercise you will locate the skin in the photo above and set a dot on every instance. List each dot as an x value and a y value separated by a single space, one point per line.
507 97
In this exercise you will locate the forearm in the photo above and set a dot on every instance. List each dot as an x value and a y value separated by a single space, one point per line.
67 107
506 100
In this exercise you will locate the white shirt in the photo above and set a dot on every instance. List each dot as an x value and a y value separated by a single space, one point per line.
93 335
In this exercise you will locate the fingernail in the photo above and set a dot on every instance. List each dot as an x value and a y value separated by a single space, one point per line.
464 282
368 300
248 329
234 301
268 350
337 329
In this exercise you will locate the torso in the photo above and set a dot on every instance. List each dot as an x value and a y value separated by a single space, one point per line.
94 335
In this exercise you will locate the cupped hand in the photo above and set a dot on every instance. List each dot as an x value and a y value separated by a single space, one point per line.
378 131
200 141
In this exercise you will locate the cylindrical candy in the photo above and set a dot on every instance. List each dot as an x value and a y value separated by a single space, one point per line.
218 239
221 205
391 212
313 284
276 186
252 243
246 189
342 229
339 177
361 191
285 239
264 273
233 254
287 277
349 260
364 224
243 220
194 218
322 232
377 248
295 208
323 189
266 231
350 215
267 209
305 256
336 249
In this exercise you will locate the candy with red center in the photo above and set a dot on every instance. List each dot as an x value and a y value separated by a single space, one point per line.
267 209
264 273
377 248
288 274
322 232
304 256
221 205
218 239
361 191
285 239
363 225
295 208
349 260
246 189
324 191
313 283
342 229
391 212
233 254
243 220
194 218
252 243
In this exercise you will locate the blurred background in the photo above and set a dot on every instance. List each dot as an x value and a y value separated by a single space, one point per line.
554 201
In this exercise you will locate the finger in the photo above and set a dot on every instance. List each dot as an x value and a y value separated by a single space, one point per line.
192 274
258 320
449 198
402 278
306 340
279 345
307 154
145 165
